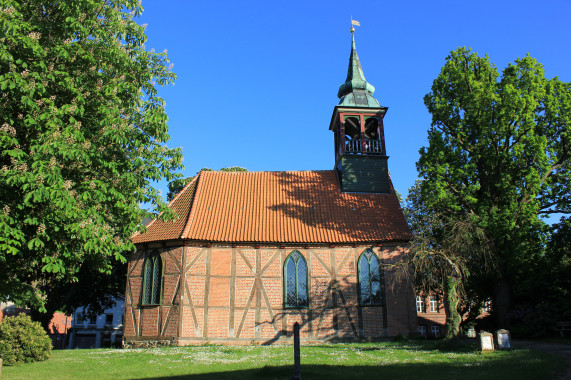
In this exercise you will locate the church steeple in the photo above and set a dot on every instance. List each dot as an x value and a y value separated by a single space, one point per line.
357 122
356 91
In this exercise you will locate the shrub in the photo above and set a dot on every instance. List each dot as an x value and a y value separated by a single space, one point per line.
23 340
401 338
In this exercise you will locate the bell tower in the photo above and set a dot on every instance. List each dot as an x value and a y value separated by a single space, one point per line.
357 122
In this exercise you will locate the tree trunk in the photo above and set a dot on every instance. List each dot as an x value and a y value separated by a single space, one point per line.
502 304
451 300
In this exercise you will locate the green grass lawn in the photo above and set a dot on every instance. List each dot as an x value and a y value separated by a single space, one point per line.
387 360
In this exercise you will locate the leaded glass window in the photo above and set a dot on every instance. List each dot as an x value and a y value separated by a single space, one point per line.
369 278
295 279
152 279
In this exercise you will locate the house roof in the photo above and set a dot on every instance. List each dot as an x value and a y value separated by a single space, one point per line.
278 207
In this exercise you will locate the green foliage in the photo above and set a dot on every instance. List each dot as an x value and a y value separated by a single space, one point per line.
498 156
176 186
543 299
452 299
233 169
23 341
558 267
401 338
82 138
444 254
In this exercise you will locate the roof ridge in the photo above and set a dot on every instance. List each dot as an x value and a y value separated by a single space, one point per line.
270 171
182 191
192 208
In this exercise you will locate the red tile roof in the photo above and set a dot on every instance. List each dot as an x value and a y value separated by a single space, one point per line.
181 205
279 207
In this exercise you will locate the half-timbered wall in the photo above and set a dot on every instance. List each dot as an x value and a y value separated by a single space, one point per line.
154 322
235 295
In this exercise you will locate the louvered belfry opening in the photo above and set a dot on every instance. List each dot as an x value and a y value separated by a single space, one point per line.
368 142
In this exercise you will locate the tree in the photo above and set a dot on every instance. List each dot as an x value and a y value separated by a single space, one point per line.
498 153
82 137
559 266
444 254
176 186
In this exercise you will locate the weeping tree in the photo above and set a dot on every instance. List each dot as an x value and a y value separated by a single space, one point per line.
444 254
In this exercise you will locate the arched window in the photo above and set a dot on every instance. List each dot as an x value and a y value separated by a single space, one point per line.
295 279
369 278
352 135
372 128
152 279
352 128
372 134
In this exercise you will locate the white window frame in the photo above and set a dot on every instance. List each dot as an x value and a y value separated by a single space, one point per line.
487 306
433 300
435 331
422 330
420 304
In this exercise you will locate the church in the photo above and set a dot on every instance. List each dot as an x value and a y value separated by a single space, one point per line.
251 253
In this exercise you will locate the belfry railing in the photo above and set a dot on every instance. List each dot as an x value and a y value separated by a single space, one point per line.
353 146
371 146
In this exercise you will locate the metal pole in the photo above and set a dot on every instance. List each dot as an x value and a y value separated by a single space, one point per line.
296 354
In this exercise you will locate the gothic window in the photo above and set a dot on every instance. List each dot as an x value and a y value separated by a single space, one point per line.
152 279
369 278
295 278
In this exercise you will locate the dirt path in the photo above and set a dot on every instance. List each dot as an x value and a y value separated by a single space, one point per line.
562 350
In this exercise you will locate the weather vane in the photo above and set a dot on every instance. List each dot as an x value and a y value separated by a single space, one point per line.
354 22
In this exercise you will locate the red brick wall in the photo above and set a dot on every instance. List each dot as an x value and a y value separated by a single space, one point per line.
430 318
154 321
235 295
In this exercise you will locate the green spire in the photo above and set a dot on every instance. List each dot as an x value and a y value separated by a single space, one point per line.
356 91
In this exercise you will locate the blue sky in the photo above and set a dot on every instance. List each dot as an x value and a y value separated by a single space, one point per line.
257 80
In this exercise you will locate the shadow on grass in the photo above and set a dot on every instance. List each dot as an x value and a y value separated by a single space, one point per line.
443 346
494 368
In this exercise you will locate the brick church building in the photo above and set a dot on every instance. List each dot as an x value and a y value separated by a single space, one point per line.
251 253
